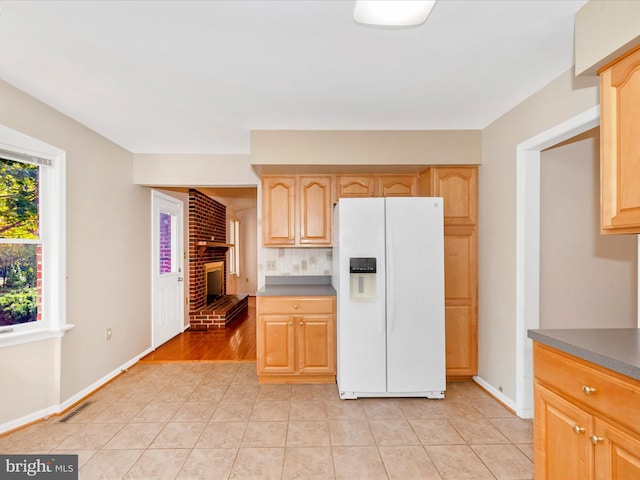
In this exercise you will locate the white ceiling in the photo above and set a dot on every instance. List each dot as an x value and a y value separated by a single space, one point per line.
197 76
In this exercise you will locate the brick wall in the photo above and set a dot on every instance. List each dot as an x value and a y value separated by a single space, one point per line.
207 222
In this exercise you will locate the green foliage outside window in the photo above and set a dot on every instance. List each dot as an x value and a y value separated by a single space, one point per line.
18 200
19 220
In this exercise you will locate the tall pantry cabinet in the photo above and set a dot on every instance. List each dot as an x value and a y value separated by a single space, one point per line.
458 185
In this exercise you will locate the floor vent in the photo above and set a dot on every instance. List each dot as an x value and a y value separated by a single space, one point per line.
74 412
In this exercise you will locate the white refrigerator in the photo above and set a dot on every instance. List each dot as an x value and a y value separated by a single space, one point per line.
388 272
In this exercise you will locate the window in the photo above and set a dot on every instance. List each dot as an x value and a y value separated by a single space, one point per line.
32 230
234 249
20 243
167 243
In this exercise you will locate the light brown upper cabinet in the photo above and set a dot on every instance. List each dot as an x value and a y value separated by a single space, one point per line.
296 210
619 145
459 188
349 186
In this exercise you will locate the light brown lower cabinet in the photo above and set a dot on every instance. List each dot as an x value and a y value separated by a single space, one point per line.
586 420
296 339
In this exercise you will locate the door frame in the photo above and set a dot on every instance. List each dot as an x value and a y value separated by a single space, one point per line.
155 196
528 245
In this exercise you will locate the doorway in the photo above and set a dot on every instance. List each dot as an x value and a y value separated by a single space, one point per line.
528 245
167 263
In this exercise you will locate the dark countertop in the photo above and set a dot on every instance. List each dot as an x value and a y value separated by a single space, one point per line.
297 286
617 349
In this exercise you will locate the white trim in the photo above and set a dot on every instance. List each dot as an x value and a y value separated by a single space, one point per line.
528 245
46 412
496 393
11 338
102 381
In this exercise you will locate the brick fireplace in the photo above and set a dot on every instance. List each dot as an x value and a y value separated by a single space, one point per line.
208 223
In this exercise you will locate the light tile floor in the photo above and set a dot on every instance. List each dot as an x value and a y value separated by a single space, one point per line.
213 421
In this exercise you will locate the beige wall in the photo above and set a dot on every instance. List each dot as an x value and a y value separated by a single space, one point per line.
559 101
587 280
364 148
248 280
193 170
30 379
605 29
108 263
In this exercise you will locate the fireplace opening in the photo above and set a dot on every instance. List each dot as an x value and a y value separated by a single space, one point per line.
213 280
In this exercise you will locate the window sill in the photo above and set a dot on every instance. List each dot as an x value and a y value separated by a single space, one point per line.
11 339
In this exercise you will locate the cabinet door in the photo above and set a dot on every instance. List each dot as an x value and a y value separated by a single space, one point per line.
562 447
315 210
460 292
350 186
275 344
397 185
278 210
459 341
316 344
459 188
619 146
617 454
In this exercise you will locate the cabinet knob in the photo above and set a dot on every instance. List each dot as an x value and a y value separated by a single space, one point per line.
290 323
596 440
301 323
577 429
295 307
588 390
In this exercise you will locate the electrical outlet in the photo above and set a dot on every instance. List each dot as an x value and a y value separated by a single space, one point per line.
109 334
271 265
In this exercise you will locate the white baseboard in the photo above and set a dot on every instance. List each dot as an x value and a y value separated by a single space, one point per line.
59 408
495 392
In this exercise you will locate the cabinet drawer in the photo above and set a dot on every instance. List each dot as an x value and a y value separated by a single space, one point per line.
614 395
294 305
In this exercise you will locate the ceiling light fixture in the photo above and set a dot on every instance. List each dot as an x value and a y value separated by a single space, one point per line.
394 13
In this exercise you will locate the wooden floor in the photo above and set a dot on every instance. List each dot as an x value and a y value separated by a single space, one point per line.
236 343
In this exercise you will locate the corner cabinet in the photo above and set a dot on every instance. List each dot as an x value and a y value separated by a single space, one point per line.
296 211
458 186
296 339
619 146
586 419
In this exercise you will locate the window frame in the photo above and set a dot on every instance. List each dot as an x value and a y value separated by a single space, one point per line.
52 210
234 249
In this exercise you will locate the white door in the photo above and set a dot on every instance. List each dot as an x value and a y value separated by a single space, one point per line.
167 263
415 295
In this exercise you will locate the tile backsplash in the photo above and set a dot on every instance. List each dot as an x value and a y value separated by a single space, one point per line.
294 261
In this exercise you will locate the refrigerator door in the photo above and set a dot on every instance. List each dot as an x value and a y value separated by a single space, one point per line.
415 295
361 321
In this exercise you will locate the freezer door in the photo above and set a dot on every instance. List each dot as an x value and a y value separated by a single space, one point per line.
415 295
361 321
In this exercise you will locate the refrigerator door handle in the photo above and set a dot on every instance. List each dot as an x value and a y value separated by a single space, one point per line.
389 286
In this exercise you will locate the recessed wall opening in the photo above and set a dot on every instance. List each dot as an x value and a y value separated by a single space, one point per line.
213 280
